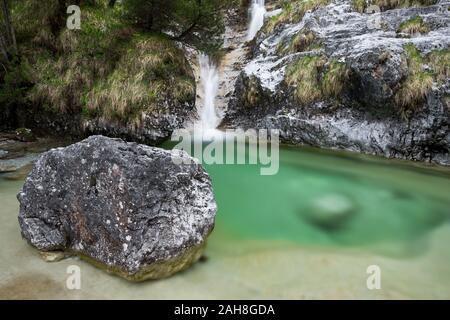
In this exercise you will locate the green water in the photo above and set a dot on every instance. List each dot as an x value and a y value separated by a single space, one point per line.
391 202
268 241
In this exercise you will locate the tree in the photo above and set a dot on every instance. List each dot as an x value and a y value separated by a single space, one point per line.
196 22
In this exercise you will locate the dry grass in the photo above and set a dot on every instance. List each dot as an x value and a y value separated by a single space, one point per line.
334 78
293 12
416 86
304 41
446 101
439 61
413 26
251 93
107 69
315 78
152 70
361 5
304 76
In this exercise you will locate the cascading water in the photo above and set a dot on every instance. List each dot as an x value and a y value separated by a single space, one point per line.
209 117
257 10
209 82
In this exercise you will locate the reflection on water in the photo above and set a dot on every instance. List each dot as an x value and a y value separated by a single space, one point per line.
283 236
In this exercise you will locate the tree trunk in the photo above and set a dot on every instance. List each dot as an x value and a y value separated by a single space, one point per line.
9 29
4 47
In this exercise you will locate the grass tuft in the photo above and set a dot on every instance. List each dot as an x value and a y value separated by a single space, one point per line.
315 78
439 61
416 86
362 5
152 70
293 12
413 26
305 40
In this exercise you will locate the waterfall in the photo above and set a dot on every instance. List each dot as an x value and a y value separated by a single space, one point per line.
258 10
209 117
209 87
209 82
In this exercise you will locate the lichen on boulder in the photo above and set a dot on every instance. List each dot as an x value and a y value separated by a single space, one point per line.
125 207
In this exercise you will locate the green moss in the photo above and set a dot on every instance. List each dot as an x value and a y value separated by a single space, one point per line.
314 78
414 25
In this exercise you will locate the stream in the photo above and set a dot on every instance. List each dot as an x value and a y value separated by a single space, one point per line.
271 239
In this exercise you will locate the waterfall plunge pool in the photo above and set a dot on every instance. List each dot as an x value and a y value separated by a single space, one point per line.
310 231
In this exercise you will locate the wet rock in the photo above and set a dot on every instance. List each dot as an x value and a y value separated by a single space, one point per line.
52 256
125 207
19 174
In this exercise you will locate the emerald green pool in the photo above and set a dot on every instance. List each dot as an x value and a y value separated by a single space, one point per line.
392 202
309 231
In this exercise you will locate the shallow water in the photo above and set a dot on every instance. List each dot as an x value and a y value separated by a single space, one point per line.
281 236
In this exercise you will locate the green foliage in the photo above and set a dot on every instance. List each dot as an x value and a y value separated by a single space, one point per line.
334 78
15 83
197 23
108 69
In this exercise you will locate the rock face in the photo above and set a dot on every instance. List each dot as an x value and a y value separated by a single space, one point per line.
363 114
126 207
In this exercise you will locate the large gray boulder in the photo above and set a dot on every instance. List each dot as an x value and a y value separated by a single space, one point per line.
128 208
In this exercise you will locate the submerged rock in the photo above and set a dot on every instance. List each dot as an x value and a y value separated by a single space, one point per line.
12 165
123 206
330 211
